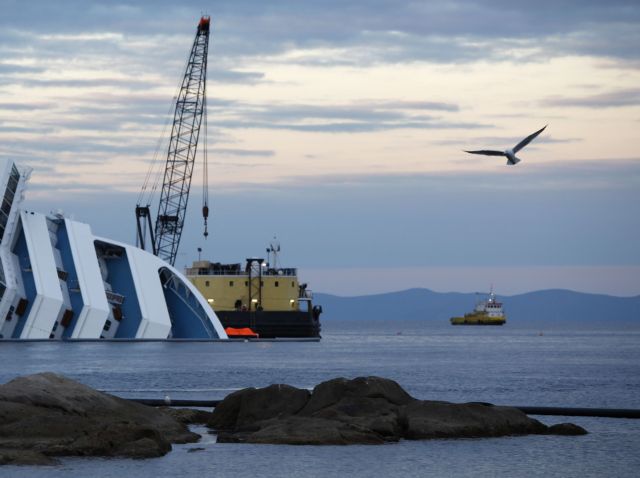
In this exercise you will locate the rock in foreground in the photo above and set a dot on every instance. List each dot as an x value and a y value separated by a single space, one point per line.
365 410
47 415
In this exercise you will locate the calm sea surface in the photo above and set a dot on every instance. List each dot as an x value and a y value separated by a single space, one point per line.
491 364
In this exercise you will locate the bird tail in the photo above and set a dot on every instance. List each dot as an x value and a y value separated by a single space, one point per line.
513 160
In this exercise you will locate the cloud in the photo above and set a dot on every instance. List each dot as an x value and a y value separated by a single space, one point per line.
232 76
243 165
95 149
24 106
12 68
613 99
390 31
361 116
96 77
357 32
122 83
241 152
24 128
355 110
68 187
415 105
503 141
558 175
348 126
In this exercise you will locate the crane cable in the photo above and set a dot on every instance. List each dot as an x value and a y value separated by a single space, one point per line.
147 196
160 146
205 169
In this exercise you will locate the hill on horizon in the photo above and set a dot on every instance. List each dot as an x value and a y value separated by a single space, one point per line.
553 307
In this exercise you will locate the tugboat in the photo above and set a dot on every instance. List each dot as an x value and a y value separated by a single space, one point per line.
486 312
259 300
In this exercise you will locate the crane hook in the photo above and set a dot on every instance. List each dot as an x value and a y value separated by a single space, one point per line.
205 215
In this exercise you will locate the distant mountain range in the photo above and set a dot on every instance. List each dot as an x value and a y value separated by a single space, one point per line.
542 308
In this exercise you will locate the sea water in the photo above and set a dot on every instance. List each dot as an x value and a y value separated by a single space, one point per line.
501 365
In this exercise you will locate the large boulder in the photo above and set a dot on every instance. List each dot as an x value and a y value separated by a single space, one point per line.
370 403
365 410
25 457
566 429
51 415
188 416
296 430
252 405
331 392
431 419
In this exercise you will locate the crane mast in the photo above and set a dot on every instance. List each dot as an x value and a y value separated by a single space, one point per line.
183 144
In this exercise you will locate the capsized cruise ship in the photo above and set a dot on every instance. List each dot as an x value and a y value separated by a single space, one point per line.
59 281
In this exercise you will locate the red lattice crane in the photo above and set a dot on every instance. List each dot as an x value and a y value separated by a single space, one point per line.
190 109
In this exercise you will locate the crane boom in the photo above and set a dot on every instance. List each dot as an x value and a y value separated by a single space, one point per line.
183 144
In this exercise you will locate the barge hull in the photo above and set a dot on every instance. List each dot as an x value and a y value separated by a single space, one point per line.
273 324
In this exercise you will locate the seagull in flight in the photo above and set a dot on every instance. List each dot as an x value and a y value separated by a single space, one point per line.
510 153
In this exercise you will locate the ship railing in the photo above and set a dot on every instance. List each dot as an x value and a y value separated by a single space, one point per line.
286 272
306 294
214 272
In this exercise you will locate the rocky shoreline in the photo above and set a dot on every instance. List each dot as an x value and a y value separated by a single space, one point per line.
44 416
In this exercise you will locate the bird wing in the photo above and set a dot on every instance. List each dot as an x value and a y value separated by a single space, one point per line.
488 152
527 140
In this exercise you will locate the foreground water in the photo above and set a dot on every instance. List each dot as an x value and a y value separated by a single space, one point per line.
499 365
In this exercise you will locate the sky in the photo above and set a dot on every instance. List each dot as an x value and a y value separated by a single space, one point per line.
339 127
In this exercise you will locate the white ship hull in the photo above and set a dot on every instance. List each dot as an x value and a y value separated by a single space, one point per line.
59 281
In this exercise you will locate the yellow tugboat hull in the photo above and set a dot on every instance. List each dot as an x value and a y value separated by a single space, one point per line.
478 319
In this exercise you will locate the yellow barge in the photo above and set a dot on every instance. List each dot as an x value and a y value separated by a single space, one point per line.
261 296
